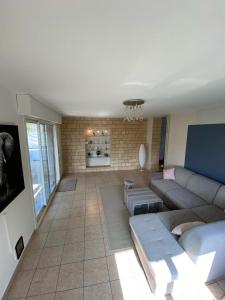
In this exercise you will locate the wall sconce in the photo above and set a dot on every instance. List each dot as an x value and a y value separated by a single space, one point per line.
89 131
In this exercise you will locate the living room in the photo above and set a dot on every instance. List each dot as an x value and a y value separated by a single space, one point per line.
112 148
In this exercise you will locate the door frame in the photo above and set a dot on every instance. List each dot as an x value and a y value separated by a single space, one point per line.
38 218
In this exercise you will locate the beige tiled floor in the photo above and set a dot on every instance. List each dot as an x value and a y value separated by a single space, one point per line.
68 257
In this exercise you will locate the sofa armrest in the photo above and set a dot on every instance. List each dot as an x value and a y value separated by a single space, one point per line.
205 245
155 176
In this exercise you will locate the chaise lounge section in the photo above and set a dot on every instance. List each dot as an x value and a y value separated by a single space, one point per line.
171 263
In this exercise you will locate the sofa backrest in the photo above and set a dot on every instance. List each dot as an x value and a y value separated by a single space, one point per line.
203 187
204 245
220 197
182 176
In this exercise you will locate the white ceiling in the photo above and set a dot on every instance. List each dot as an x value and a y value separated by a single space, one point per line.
84 57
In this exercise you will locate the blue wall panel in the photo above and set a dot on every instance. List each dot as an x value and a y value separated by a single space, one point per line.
205 150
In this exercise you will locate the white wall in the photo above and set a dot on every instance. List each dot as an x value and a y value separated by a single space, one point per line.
178 126
28 106
19 214
214 115
177 136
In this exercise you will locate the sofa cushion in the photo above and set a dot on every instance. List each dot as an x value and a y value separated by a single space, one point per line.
182 176
172 218
203 187
164 185
209 213
220 197
182 198
169 174
180 229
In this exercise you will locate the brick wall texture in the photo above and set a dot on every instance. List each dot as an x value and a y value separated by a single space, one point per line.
125 142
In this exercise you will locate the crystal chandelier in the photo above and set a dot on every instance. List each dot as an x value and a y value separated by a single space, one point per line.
133 110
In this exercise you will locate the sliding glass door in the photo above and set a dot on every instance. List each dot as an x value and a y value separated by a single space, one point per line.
51 157
41 142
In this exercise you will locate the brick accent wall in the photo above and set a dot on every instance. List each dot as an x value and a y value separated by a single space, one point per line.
155 149
125 142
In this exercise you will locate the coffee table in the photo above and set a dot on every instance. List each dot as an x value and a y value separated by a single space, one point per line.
142 201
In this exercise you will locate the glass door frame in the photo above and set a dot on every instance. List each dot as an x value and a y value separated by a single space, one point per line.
47 199
54 157
47 194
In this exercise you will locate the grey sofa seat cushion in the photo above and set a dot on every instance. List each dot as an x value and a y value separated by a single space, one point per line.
182 198
209 213
171 219
160 249
182 176
203 187
163 185
220 197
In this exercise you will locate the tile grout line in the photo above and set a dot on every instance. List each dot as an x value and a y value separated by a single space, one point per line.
60 263
57 281
99 199
35 269
107 262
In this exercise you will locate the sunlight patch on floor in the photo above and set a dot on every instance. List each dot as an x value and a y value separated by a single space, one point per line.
133 282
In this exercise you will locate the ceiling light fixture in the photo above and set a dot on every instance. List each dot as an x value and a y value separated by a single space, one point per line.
133 110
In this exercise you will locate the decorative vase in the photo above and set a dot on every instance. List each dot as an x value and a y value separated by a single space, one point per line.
142 156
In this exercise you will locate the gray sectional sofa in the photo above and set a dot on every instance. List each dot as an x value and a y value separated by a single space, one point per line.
194 197
198 255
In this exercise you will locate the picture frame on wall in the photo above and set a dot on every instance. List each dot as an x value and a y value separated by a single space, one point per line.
11 170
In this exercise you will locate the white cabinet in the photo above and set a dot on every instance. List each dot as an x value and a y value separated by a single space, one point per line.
98 161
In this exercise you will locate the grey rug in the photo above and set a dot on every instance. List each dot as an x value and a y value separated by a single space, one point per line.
67 183
116 217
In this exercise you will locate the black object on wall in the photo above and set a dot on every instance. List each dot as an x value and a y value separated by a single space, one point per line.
205 150
19 247
162 141
11 170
